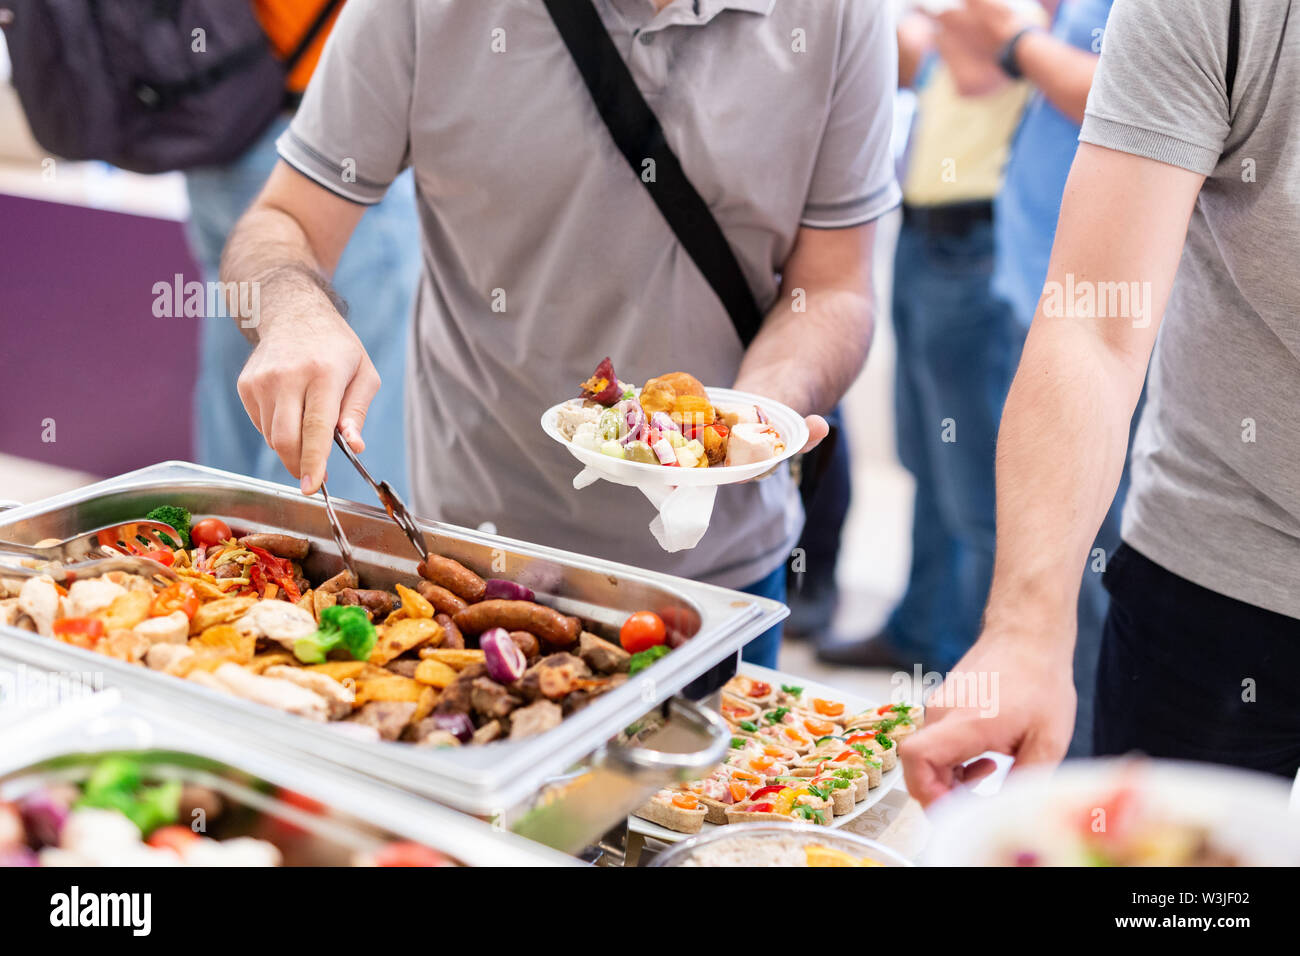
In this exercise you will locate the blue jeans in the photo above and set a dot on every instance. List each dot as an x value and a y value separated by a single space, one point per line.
377 275
763 650
956 354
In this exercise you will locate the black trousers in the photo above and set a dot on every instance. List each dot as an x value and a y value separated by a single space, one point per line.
1188 673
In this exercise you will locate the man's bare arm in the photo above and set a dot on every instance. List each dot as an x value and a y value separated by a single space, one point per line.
308 371
1064 73
816 337
1061 449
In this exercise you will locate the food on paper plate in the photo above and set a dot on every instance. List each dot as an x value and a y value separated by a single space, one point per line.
452 659
791 756
670 421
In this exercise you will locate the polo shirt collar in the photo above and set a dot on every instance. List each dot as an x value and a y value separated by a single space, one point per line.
710 8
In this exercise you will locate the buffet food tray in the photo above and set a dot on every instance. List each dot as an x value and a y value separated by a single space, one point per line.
344 814
491 780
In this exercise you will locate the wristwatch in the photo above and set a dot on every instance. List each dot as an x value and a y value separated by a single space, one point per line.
1007 57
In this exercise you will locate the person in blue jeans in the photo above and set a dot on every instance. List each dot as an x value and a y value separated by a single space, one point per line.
954 355
1060 63
377 276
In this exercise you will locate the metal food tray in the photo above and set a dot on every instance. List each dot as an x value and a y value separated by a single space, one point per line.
493 779
61 743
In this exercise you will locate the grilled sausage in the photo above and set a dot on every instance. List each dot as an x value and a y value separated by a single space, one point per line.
551 626
451 635
443 601
526 643
281 545
453 576
378 603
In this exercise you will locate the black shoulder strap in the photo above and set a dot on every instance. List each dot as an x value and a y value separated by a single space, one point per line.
639 137
1234 41
304 44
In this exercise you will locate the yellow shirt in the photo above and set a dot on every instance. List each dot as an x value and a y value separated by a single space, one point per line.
959 143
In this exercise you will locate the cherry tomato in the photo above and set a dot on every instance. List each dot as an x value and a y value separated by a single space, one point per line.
408 854
83 632
174 838
178 597
208 532
644 629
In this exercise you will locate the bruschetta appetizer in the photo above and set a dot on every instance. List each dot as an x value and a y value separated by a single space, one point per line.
677 810
803 804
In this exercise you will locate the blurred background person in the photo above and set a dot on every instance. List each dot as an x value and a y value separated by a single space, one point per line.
955 350
376 276
1059 62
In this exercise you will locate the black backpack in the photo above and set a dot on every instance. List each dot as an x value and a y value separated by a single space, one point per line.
148 85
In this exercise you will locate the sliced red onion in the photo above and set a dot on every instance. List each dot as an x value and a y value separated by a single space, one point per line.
664 422
499 589
634 416
458 725
664 451
18 856
505 661
761 416
43 817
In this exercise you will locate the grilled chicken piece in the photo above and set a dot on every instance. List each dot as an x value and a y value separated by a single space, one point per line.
271 691
163 657
339 698
39 600
173 628
90 595
277 621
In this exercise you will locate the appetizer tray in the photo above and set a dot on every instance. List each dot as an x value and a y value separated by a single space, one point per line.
791 425
497 780
888 780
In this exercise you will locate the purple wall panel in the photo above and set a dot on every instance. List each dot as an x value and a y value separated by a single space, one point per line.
79 342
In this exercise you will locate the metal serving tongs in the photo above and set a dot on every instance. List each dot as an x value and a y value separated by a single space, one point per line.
345 547
388 498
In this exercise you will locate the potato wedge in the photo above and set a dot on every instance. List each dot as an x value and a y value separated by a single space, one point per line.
261 662
320 600
391 687
340 670
126 611
434 673
401 636
424 706
457 658
242 646
220 611
206 590
414 606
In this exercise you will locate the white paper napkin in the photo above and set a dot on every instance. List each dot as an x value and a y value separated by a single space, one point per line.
684 512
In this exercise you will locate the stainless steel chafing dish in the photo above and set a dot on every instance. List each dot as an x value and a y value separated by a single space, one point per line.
498 780
49 745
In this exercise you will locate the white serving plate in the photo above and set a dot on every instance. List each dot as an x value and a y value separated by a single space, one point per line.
790 424
812 688
1246 812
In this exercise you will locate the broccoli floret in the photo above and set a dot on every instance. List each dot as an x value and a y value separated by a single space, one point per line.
340 626
178 518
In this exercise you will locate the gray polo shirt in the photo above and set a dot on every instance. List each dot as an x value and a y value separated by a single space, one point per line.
1215 494
543 252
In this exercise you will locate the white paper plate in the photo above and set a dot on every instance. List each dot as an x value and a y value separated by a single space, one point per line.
852 702
790 424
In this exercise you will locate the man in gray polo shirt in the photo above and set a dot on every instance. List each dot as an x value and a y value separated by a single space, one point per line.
543 252
1184 201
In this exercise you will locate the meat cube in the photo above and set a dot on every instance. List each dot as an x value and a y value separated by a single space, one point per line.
403 666
488 732
491 699
455 698
553 677
91 595
600 655
389 717
163 657
536 718
171 628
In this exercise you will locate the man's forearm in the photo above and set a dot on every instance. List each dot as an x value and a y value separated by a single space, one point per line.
1060 455
808 359
1063 72
268 249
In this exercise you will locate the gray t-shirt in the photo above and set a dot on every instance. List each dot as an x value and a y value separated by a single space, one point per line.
543 252
1215 494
